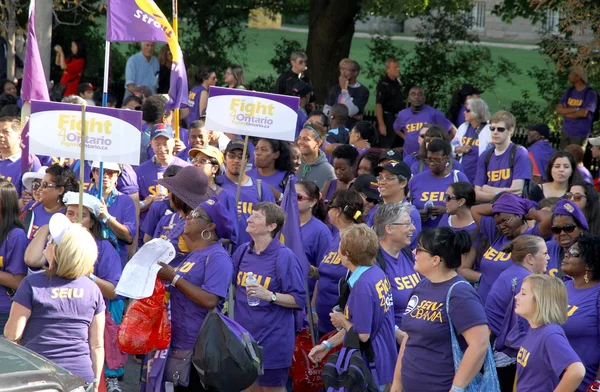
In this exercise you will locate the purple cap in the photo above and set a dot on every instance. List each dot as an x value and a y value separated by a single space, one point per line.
567 207
220 217
512 204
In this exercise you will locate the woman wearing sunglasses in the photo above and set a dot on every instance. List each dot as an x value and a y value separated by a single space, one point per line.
568 223
561 173
427 188
586 197
582 263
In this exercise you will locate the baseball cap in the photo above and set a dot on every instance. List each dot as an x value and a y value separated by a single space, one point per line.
209 151
235 144
107 166
469 89
542 129
392 155
367 185
161 130
83 87
90 202
594 141
59 224
301 89
396 167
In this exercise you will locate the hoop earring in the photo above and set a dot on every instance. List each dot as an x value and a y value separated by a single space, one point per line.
209 235
585 277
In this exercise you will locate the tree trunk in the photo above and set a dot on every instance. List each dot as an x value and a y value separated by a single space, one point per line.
11 15
330 31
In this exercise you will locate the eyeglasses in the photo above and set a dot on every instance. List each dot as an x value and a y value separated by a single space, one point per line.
499 129
386 178
233 156
46 184
505 222
421 249
448 198
574 196
301 198
572 253
196 214
401 224
467 110
36 185
109 173
569 228
202 161
435 161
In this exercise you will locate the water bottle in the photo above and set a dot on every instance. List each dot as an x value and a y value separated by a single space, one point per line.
251 279
429 205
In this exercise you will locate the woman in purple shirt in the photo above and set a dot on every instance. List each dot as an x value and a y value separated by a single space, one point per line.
60 313
345 210
545 361
197 285
272 165
582 328
344 157
280 289
530 256
13 243
586 197
369 311
426 323
198 97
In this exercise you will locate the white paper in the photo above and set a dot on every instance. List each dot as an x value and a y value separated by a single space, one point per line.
139 275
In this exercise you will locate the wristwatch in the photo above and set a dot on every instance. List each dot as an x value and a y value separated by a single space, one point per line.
273 298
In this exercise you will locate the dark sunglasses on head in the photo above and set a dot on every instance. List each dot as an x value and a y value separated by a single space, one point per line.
499 129
569 228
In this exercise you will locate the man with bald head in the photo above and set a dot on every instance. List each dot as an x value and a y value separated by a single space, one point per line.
142 70
410 120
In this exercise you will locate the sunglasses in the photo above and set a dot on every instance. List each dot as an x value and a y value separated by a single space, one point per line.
46 184
467 110
233 156
386 178
36 185
301 198
572 253
574 196
435 161
448 198
499 129
566 228
202 161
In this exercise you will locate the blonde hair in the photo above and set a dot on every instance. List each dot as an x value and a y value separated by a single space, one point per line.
550 297
506 117
522 246
359 243
76 253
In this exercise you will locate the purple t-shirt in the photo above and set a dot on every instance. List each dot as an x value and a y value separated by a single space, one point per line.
331 271
41 217
446 221
123 210
544 355
422 166
277 269
403 279
11 170
194 104
556 254
584 99
12 261
426 323
425 187
411 122
541 152
499 173
370 308
415 217
585 174
275 180
494 261
316 239
500 295
186 315
108 264
62 311
127 183
155 213
469 159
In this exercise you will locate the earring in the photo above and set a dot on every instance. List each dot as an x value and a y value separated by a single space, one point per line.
202 235
447 164
585 277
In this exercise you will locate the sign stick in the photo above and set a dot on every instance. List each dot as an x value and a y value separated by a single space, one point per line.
176 31
82 164
104 104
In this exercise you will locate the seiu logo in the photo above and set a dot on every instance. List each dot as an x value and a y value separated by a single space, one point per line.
332 258
244 207
414 127
553 272
497 175
66 293
185 267
192 96
62 161
383 292
493 255
264 281
574 102
34 230
572 309
9 179
523 357
433 196
427 310
407 282
469 141
154 190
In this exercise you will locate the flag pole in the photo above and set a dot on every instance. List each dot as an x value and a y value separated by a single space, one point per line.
176 30
104 104
81 165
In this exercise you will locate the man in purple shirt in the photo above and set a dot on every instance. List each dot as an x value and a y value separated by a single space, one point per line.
577 106
540 150
410 121
505 167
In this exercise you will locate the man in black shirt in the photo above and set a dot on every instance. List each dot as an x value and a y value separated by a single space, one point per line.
388 103
285 81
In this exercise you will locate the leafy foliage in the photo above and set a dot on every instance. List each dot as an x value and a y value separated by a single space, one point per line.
283 50
262 83
380 48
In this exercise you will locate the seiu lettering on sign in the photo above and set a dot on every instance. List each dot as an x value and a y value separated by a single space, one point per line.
469 141
383 292
67 293
572 309
264 281
429 311
497 175
523 357
407 282
433 196
414 127
493 255
244 207
574 102
332 258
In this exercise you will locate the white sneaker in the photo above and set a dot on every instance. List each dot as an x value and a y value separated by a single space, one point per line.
112 385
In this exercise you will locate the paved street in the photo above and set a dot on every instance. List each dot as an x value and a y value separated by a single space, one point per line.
131 382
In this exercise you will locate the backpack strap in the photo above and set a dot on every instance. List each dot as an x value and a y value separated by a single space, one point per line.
408 253
488 157
421 165
259 189
380 259
480 128
218 191
511 159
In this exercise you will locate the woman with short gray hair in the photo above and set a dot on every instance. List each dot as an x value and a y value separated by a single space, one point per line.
472 135
395 229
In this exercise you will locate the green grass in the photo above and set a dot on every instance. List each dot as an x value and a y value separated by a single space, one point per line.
261 48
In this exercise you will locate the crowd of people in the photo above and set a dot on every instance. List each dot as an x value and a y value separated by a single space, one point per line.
402 210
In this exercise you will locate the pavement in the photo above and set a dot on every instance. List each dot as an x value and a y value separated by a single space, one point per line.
131 379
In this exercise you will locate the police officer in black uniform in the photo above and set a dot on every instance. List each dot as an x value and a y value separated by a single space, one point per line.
388 103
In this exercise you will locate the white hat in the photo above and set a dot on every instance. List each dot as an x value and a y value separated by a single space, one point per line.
29 178
594 141
59 224
90 202
107 166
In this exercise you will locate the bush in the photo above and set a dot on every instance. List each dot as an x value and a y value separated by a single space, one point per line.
283 50
380 48
263 84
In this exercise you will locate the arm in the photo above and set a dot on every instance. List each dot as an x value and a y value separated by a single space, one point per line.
120 230
481 210
106 287
34 257
545 220
477 338
203 102
131 249
60 57
197 294
97 345
17 321
466 267
9 280
452 132
380 121
562 109
581 113
349 102
130 75
571 378
397 383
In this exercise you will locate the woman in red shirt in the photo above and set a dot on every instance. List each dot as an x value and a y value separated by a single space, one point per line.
72 67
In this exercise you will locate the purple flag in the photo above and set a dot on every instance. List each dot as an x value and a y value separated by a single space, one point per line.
142 20
290 233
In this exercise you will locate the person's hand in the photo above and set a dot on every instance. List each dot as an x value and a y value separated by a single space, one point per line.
58 49
318 353
166 272
462 149
179 146
338 319
257 291
315 317
26 196
343 83
103 210
396 387
424 215
362 144
382 129
400 336
437 210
